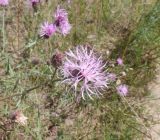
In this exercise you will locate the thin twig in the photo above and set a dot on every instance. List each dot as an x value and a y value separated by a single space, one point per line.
27 90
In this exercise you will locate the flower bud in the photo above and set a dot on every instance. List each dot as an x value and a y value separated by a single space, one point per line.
56 59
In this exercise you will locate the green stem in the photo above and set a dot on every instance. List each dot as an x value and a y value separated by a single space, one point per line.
54 73
3 28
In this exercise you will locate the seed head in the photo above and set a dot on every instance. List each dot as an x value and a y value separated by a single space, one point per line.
19 117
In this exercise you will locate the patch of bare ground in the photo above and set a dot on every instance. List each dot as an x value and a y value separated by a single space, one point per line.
153 108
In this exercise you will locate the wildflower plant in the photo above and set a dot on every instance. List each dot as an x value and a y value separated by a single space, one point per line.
47 30
28 81
84 71
61 21
61 24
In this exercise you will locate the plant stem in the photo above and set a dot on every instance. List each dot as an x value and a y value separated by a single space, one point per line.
3 29
54 73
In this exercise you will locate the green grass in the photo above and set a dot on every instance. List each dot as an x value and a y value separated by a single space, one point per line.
129 29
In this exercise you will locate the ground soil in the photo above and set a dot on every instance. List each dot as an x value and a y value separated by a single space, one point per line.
153 107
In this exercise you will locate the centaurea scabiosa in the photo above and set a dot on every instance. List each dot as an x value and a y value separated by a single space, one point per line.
84 71
122 90
61 21
119 61
33 4
47 30
4 2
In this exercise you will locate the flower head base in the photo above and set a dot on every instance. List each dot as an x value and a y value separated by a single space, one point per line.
47 30
84 71
61 21
122 90
4 2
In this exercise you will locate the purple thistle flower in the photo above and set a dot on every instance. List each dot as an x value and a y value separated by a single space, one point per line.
122 90
60 14
47 30
33 4
65 28
120 61
84 71
4 2
61 21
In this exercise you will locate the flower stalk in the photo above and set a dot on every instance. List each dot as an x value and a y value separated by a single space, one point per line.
3 29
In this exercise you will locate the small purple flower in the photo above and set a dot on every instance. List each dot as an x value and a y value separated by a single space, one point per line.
47 30
111 76
122 90
4 2
69 1
61 21
120 61
60 14
65 28
84 71
33 4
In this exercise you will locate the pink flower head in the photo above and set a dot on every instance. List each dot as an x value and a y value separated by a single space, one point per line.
120 61
65 28
4 2
33 4
111 76
61 21
47 30
69 1
84 71
122 90
60 14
